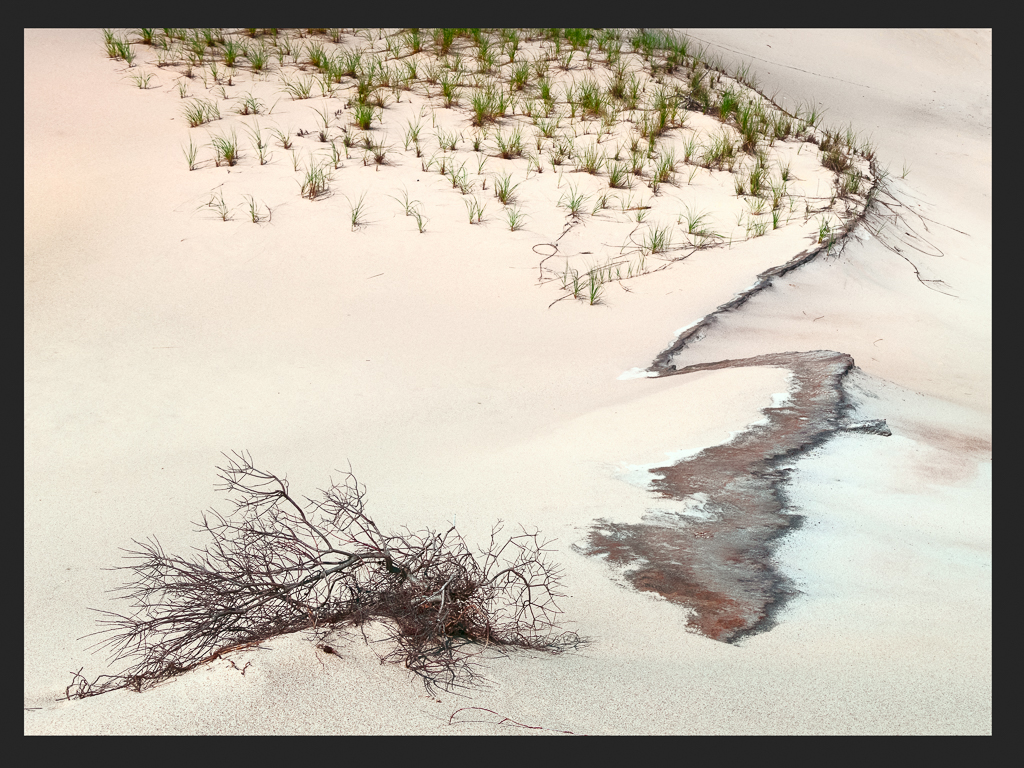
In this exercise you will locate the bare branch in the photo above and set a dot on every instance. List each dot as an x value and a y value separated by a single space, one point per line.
273 566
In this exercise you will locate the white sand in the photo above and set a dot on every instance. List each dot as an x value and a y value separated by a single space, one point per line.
158 336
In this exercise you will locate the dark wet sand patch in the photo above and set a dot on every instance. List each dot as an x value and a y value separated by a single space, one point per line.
722 567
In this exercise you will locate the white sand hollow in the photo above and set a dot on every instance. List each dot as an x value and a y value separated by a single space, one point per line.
158 336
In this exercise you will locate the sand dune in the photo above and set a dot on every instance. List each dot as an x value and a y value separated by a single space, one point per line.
457 373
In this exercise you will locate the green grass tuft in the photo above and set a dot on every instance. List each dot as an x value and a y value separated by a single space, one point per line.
362 116
515 217
201 111
504 189
573 200
618 178
357 212
190 154
511 145
316 181
589 160
299 88
475 209
225 148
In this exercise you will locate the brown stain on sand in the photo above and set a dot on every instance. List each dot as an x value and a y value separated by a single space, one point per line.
722 568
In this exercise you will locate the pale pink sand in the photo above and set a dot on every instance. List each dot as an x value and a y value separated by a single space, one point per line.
156 338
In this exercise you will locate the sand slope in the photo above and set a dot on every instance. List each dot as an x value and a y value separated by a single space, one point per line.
158 336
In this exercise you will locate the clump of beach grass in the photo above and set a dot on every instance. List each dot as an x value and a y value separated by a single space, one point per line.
201 111
225 147
357 211
316 181
610 104
475 209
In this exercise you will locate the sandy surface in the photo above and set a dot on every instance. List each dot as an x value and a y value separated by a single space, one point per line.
158 336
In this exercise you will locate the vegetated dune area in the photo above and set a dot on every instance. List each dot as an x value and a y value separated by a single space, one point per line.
705 314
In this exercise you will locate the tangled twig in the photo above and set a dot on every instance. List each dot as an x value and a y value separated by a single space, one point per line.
276 566
503 721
